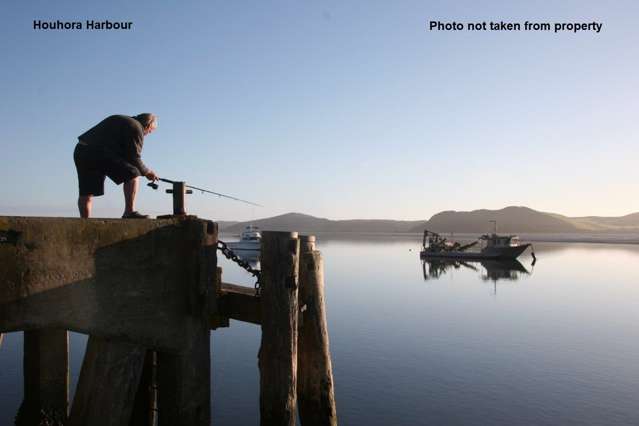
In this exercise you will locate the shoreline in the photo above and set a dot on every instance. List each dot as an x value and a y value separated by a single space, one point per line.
588 238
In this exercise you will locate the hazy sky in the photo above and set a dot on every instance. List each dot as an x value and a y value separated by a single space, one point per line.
339 109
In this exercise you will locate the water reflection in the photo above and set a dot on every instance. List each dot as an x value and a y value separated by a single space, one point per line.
250 256
489 270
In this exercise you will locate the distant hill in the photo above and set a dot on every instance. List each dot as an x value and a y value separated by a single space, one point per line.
306 223
509 220
628 222
226 223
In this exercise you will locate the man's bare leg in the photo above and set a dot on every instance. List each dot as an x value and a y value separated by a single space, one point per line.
85 203
130 189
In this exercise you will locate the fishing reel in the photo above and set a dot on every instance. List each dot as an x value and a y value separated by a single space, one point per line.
153 185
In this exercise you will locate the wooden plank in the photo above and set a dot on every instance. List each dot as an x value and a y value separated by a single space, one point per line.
238 289
108 382
239 303
315 390
278 348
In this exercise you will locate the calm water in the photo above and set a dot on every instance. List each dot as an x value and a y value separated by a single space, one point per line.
471 344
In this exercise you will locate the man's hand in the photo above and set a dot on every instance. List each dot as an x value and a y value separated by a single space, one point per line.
150 175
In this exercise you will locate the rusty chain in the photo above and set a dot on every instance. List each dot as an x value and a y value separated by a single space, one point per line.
230 254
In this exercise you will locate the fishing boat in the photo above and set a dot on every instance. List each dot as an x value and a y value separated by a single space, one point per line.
250 240
491 246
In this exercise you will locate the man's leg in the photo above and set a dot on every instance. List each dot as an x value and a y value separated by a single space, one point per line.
130 189
85 203
90 179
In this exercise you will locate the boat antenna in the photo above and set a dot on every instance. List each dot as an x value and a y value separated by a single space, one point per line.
494 222
202 190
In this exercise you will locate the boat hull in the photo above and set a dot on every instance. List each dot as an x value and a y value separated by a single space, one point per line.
488 253
245 245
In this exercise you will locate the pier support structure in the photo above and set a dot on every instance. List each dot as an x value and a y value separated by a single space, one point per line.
148 292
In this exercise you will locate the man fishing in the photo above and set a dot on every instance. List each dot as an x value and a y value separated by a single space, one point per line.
113 148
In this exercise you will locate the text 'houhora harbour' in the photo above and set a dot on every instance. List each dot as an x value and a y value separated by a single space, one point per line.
88 24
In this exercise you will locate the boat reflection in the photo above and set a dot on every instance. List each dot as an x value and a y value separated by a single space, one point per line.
507 270
490 270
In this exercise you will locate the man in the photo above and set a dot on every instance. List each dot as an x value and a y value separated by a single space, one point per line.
113 148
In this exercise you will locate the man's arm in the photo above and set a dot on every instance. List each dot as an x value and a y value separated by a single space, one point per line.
133 152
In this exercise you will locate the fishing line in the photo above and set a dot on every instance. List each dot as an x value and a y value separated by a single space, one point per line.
202 190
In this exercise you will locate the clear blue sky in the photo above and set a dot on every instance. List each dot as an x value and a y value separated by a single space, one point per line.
339 109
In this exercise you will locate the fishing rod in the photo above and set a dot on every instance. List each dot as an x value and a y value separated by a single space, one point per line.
202 190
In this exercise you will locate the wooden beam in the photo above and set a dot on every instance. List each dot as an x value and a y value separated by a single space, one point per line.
278 348
108 382
239 303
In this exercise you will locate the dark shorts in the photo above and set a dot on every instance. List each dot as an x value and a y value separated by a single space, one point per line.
94 165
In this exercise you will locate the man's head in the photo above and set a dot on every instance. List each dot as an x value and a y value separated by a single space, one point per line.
148 121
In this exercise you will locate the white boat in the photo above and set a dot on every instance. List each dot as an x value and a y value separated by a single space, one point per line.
250 240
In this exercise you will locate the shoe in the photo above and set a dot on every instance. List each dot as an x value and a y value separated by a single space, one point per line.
135 215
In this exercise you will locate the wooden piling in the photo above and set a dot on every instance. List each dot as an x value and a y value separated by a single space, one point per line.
307 244
278 349
145 405
184 385
315 391
184 378
108 382
46 377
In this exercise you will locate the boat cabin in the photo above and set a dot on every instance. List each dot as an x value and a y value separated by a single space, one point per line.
497 241
251 233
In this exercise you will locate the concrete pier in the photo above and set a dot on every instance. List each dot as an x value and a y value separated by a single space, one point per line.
148 293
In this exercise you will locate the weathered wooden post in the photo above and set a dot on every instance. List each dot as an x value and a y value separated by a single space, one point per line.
145 405
278 349
108 383
315 392
46 377
184 378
